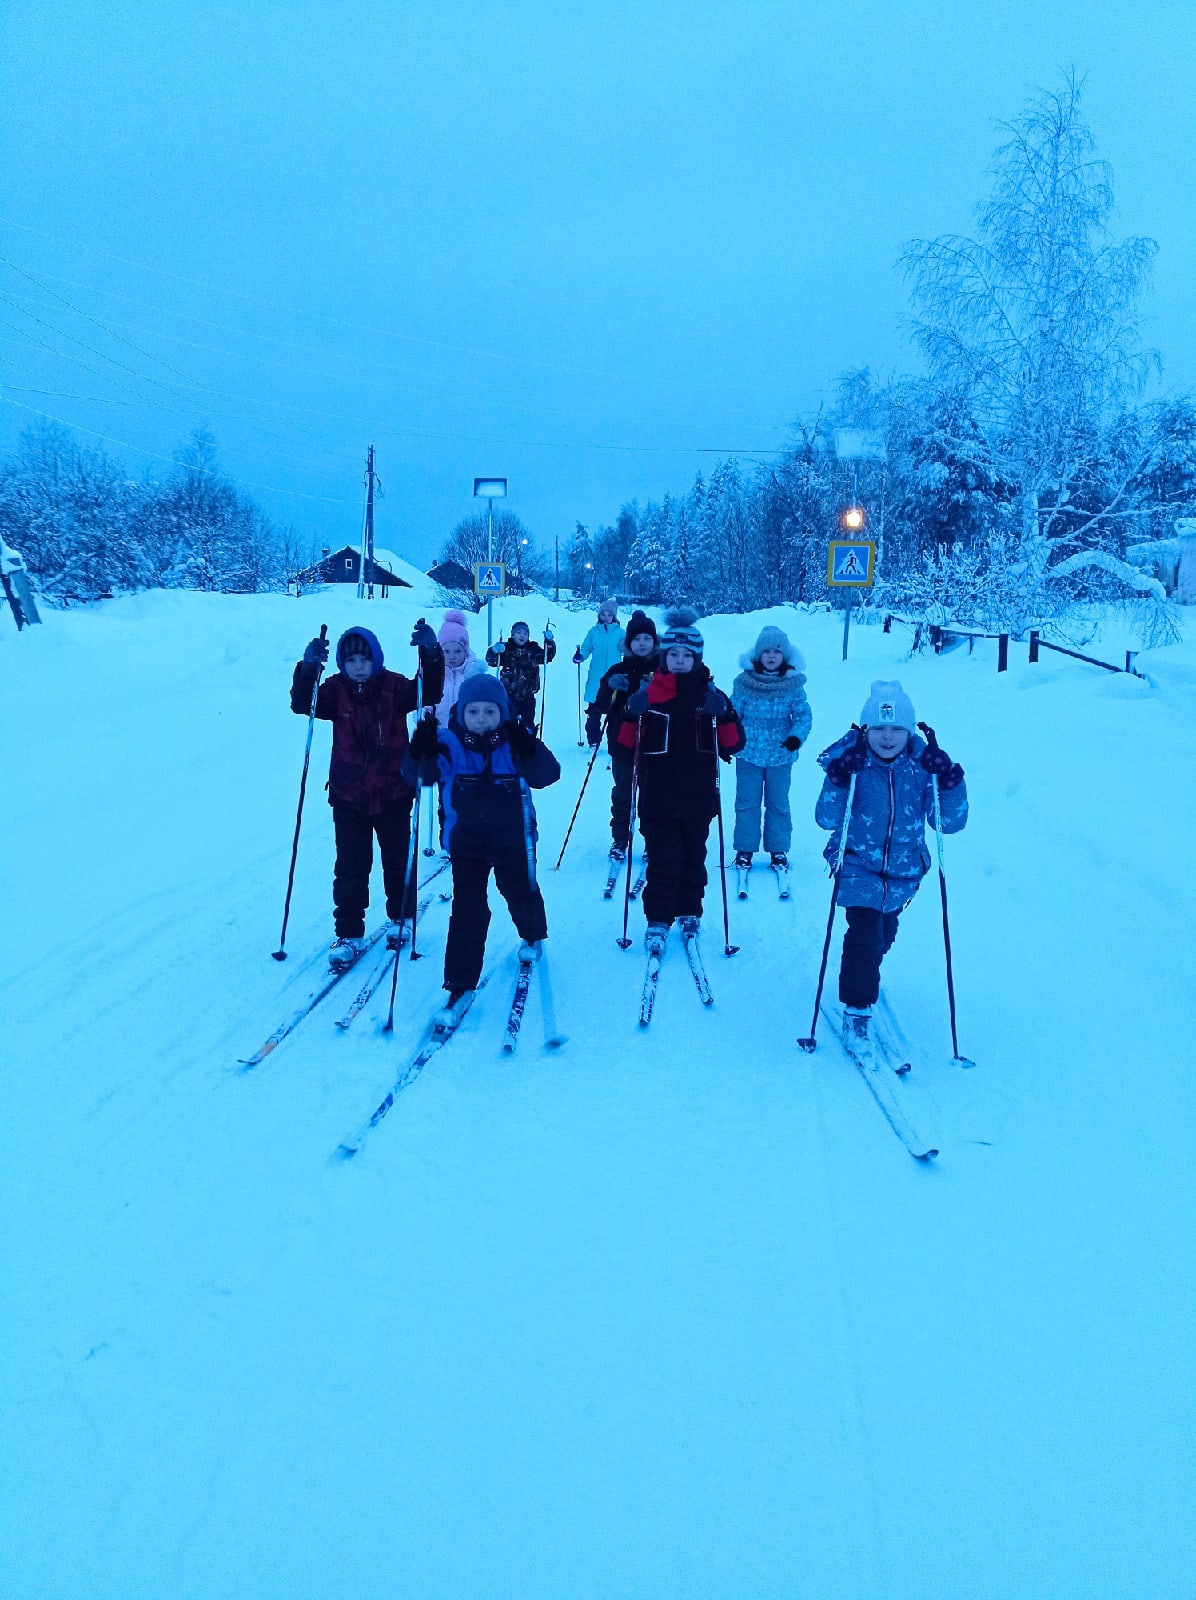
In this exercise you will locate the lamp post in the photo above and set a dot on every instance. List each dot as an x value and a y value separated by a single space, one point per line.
490 490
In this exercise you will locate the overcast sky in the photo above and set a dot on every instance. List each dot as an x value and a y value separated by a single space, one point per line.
590 248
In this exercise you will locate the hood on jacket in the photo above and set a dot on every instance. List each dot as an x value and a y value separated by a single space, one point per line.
370 639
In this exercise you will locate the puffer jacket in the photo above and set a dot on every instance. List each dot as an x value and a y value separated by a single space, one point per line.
484 788
772 706
519 666
893 801
369 725
678 767
609 702
602 647
454 677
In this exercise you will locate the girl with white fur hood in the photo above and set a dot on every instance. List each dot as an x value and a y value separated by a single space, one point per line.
770 697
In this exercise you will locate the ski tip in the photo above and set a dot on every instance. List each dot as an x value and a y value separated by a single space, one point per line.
924 1155
903 1068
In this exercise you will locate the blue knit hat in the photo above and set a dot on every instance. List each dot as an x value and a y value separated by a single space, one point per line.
481 686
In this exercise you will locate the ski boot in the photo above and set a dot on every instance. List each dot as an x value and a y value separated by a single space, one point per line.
656 937
857 1033
743 860
398 933
689 926
344 953
450 1013
531 950
779 861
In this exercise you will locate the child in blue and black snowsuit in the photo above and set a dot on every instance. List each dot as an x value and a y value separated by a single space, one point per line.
770 697
486 761
886 857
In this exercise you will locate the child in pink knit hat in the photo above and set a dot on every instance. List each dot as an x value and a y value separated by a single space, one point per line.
459 661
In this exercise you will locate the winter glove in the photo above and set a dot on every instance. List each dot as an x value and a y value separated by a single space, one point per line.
578 658
842 768
425 741
935 760
498 647
637 703
549 636
424 637
791 743
620 682
316 654
715 703
520 738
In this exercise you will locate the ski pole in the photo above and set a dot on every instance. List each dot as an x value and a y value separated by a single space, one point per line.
625 942
964 1061
410 879
729 949
810 1043
544 685
281 953
580 740
429 849
581 796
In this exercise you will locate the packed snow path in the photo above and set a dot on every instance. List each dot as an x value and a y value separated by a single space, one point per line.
667 1313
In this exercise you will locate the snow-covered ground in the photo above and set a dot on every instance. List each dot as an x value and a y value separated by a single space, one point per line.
664 1315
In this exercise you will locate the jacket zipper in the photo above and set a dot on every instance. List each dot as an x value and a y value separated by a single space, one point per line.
884 864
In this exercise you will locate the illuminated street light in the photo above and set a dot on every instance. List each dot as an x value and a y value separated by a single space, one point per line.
854 519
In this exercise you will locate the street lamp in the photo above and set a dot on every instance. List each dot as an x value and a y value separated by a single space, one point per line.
490 490
853 520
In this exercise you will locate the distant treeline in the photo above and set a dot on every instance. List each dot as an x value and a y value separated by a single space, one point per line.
87 530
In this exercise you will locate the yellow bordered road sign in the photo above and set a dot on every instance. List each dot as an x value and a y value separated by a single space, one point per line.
489 579
851 563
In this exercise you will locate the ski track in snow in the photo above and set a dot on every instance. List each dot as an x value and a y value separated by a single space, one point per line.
668 1312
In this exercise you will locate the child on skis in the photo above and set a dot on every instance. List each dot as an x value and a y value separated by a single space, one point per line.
367 706
519 659
602 646
485 762
641 659
770 697
459 662
677 727
886 857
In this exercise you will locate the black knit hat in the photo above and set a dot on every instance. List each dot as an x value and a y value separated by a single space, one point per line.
639 622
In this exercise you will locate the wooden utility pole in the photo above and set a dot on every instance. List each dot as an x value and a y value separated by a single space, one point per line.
364 590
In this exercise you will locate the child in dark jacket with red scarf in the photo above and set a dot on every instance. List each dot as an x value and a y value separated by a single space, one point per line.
678 727
367 707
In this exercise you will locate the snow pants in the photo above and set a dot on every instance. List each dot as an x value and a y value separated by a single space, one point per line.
767 786
355 830
622 761
593 725
523 708
470 918
676 852
868 939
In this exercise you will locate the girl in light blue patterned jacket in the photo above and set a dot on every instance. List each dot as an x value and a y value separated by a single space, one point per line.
890 774
770 697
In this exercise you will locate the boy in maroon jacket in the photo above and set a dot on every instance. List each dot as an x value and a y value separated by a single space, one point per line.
367 707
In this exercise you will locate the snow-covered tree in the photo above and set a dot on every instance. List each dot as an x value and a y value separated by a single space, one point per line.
1034 323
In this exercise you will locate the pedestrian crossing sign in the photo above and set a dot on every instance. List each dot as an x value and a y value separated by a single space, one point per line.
489 579
851 563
